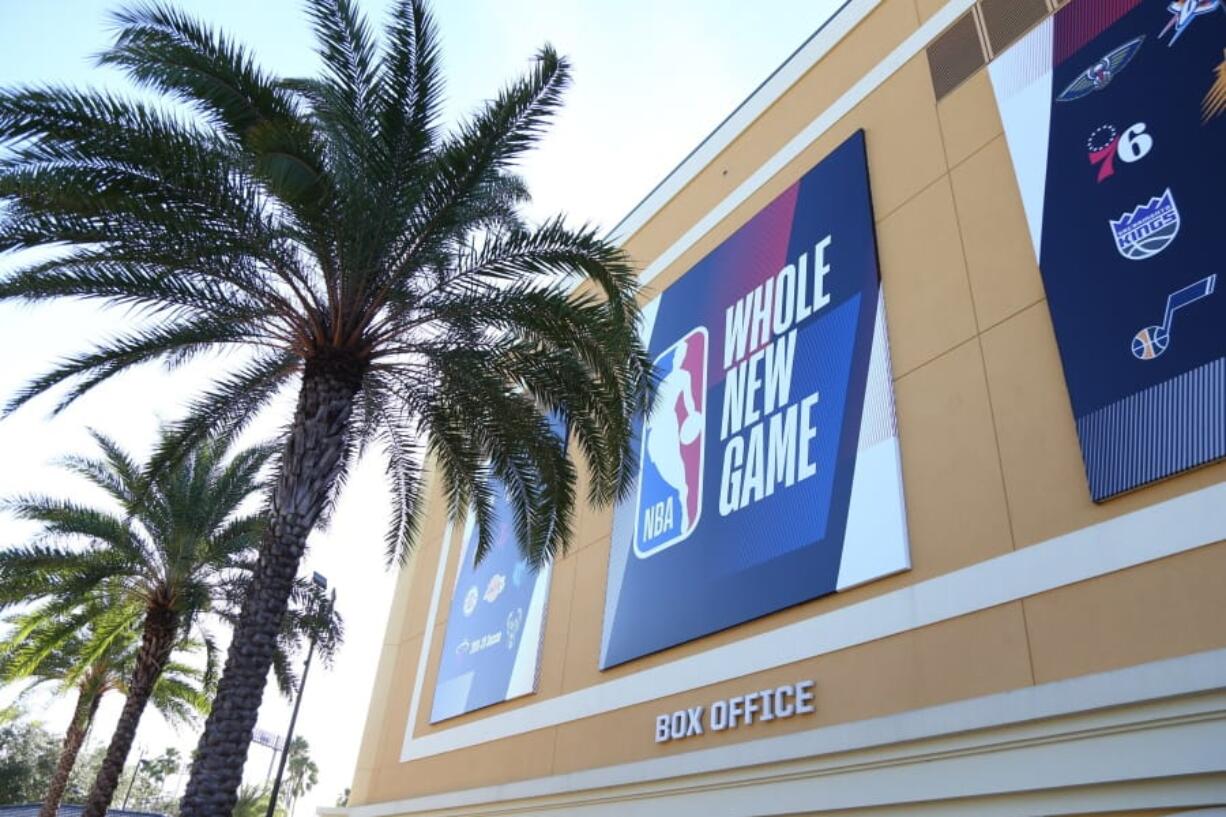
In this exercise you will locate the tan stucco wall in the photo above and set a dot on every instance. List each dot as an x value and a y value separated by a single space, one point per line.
989 453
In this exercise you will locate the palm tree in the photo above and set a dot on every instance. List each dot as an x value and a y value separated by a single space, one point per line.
252 801
91 662
301 772
357 252
179 552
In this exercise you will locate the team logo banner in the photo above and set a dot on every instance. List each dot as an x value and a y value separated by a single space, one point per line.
1113 114
493 641
769 468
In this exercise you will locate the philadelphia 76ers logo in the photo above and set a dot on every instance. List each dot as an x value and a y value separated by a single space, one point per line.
671 455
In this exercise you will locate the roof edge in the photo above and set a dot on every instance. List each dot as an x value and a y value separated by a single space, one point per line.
837 26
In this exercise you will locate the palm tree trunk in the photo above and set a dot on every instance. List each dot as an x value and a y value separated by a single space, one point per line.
82 716
157 642
310 463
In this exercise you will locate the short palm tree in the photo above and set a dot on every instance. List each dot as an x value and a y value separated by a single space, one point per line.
90 661
361 255
179 552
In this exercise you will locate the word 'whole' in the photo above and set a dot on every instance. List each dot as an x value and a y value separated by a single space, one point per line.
781 702
767 431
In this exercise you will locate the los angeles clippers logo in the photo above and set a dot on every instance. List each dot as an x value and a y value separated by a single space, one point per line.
1148 229
1106 144
671 455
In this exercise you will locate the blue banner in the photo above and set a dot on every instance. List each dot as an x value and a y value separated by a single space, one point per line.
773 426
1113 112
491 649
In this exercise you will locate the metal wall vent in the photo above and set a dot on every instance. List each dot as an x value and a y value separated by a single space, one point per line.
955 55
1006 20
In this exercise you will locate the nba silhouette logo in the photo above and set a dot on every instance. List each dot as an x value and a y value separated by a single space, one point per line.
671 450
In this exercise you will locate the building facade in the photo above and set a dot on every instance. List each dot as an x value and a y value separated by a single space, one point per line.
933 520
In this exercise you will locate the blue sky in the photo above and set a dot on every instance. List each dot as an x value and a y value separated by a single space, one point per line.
651 80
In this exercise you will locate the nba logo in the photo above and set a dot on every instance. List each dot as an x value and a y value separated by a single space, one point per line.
671 453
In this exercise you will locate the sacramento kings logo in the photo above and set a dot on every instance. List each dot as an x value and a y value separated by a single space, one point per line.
1147 230
671 454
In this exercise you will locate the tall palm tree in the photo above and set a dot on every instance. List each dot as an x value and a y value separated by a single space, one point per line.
361 255
301 772
179 552
91 662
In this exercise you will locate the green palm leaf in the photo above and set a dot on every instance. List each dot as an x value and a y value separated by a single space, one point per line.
349 247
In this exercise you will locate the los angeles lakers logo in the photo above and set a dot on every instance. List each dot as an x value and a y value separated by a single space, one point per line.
671 455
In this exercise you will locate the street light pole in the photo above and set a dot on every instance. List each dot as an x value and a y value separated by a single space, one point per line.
132 779
322 584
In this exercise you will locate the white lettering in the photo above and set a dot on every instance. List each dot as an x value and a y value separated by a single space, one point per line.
658 518
807 468
694 721
734 710
820 270
752 486
779 359
803 310
781 451
759 330
764 705
751 706
804 698
732 417
785 300
736 332
783 707
730 477
677 727
766 698
751 388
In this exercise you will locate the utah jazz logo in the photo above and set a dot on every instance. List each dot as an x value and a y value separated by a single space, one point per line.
1100 74
671 456
1147 230
1106 143
1152 341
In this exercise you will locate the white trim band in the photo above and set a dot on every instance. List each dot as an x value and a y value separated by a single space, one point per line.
1167 528
896 59
830 34
1159 720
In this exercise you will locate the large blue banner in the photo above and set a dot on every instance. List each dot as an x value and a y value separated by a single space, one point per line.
769 471
1113 113
491 649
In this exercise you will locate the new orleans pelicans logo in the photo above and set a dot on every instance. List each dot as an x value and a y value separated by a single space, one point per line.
1148 229
1100 74
671 456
